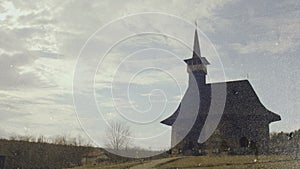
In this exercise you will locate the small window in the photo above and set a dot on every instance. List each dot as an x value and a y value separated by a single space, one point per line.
244 142
235 92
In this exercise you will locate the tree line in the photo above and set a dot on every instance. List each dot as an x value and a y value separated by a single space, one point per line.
42 152
286 143
58 139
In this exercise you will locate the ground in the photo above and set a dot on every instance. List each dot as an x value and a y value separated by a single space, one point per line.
206 162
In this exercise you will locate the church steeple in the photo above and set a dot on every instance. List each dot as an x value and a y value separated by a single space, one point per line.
196 49
197 63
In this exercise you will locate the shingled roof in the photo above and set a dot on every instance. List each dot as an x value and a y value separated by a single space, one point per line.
240 96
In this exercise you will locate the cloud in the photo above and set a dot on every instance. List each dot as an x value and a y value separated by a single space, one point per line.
279 47
50 110
254 27
10 71
4 133
9 42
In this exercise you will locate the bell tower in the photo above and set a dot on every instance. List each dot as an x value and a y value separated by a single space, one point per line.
196 66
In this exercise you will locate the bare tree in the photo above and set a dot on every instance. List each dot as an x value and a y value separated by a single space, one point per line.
41 139
61 140
118 136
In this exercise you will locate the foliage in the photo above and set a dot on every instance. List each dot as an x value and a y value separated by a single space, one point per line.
282 143
40 152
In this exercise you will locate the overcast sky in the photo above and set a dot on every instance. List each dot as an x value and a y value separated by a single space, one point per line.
132 75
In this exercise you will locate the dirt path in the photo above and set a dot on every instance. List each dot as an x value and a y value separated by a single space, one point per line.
154 163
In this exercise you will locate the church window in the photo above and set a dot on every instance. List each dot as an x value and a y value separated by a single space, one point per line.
244 142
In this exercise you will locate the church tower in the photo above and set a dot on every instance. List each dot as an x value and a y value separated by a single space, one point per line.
196 67
197 63
198 95
197 70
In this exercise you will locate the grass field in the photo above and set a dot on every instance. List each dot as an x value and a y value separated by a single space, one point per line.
206 162
234 162
111 166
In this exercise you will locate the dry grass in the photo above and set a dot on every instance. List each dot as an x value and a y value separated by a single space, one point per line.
234 162
111 166
215 162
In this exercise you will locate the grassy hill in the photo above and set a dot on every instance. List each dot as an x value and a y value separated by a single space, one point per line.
206 162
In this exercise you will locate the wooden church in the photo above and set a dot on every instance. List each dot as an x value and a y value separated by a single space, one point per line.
244 119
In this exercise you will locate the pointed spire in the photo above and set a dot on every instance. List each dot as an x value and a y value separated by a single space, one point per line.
197 62
196 49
